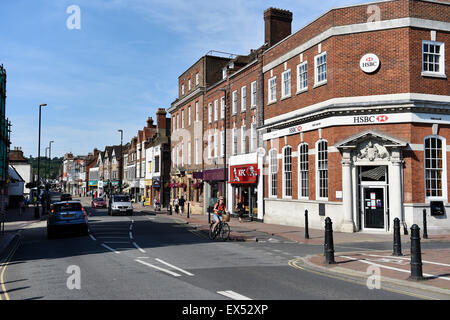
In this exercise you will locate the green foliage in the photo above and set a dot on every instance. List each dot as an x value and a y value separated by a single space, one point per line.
53 169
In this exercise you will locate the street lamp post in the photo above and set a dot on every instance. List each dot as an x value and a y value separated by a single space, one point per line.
46 168
36 212
49 157
121 161
224 144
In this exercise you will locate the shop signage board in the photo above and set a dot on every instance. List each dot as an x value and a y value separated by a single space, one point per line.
369 119
247 173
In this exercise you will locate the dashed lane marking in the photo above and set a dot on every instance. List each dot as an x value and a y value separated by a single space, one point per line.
109 248
233 295
174 267
158 268
137 247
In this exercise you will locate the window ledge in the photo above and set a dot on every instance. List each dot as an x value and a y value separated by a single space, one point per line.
302 90
433 75
271 102
243 110
319 84
285 97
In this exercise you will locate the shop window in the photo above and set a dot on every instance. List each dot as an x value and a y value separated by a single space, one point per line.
322 169
435 168
287 171
303 166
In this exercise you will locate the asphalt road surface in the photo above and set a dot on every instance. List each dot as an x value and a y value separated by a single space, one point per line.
156 257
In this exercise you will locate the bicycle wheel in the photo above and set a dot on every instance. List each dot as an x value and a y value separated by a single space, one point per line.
225 231
212 235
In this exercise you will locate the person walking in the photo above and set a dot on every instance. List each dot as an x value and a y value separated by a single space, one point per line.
176 205
240 210
181 202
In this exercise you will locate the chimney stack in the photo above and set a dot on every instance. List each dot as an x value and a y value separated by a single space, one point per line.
150 122
277 25
161 118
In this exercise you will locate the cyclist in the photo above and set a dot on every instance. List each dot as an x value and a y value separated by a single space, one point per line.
219 209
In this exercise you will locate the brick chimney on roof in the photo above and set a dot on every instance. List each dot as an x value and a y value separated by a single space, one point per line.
277 25
161 118
150 122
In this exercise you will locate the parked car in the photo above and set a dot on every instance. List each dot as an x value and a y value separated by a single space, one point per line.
66 197
118 204
98 203
67 216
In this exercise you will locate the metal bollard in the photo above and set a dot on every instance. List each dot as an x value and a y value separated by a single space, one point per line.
209 215
306 225
329 245
425 233
170 209
416 255
188 210
397 240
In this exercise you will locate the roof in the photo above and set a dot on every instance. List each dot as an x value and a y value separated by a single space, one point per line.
14 175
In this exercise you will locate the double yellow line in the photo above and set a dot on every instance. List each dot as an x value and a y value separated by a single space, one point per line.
3 267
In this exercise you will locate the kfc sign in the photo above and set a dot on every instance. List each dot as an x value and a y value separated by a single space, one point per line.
369 63
247 173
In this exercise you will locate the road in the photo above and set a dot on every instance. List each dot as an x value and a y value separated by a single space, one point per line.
152 257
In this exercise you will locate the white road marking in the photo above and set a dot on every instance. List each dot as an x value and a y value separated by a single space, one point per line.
139 248
131 235
143 257
404 258
233 295
92 237
109 248
174 267
392 268
158 268
116 242
112 237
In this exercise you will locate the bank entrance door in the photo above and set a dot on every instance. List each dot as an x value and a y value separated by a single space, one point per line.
374 207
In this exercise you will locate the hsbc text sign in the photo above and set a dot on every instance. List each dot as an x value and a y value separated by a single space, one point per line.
370 119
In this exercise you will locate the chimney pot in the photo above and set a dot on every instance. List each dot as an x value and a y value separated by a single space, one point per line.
278 25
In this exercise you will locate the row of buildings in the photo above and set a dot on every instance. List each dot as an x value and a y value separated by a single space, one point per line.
347 117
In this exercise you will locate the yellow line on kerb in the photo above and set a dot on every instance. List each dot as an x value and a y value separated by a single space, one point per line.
4 265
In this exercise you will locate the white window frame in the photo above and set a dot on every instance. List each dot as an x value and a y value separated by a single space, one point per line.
178 121
283 177
197 78
441 72
222 108
222 143
234 102
300 80
216 110
244 98
182 119
209 146
272 95
316 66
234 141
216 145
444 196
189 115
210 112
300 170
254 136
254 89
189 84
182 88
243 136
196 111
285 94
189 153
273 174
196 152
318 197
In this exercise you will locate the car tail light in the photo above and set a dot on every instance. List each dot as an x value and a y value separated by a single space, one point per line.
84 212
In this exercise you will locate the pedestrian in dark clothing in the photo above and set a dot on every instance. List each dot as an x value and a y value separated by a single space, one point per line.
240 210
181 202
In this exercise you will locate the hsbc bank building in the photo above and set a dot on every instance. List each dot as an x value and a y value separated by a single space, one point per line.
357 119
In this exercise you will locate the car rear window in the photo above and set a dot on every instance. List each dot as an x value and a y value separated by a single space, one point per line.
98 199
64 207
121 199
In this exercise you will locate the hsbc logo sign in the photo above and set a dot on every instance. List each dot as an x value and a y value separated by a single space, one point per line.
369 63
295 129
370 119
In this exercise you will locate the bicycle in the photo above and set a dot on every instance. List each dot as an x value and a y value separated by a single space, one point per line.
222 230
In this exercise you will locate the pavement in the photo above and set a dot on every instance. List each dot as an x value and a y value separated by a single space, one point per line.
391 270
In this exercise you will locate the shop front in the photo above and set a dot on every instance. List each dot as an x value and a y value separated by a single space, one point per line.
214 186
244 182
156 190
148 192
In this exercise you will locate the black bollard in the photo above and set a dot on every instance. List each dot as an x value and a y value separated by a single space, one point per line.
329 245
170 210
188 211
209 215
397 240
416 255
306 225
425 233
36 212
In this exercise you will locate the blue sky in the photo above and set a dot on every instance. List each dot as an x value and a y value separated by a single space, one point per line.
121 65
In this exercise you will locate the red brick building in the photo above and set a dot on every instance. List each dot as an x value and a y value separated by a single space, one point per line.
357 118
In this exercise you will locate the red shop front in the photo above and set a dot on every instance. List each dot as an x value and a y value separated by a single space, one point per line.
244 181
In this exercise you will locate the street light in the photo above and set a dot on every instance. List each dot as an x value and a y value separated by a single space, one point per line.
224 144
46 168
121 161
50 156
36 211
